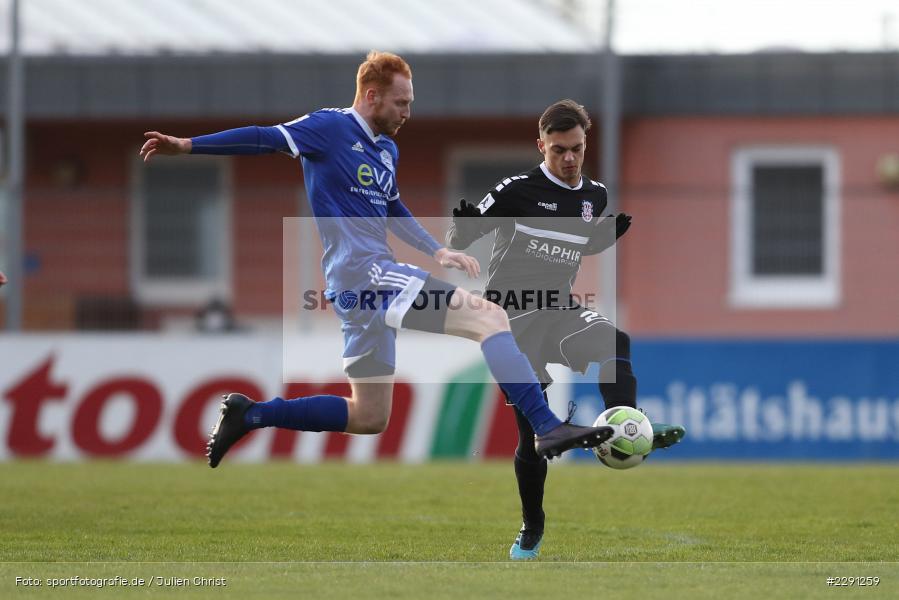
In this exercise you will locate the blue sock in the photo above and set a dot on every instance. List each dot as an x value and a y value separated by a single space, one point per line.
515 376
312 413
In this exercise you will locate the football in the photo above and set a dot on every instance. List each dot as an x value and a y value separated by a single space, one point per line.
631 442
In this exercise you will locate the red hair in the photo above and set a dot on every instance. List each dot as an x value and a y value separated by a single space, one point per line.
378 70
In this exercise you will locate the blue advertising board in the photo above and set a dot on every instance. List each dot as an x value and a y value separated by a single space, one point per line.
767 400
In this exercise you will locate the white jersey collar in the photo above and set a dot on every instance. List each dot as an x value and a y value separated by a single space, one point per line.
558 181
364 125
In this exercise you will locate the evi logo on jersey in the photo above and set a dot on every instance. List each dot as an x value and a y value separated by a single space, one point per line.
367 175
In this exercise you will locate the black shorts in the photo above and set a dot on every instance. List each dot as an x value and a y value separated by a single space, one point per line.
428 312
543 334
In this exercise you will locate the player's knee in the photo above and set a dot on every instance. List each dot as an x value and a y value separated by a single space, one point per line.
372 426
371 423
492 319
477 319
368 418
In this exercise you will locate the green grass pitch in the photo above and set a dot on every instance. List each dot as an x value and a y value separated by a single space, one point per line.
443 530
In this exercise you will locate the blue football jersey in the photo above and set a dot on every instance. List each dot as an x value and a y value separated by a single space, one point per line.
350 176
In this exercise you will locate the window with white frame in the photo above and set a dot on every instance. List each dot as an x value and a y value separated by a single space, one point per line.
476 177
785 227
181 231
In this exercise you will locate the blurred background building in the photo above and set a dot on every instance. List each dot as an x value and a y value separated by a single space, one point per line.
762 173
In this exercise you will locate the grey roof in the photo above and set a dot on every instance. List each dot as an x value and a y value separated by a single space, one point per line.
267 88
147 27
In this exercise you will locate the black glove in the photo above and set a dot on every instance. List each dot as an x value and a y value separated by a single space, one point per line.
601 239
622 224
466 210
464 230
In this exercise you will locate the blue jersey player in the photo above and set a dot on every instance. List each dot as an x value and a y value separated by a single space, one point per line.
349 160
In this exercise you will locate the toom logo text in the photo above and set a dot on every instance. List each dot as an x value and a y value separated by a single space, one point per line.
146 397
156 397
119 415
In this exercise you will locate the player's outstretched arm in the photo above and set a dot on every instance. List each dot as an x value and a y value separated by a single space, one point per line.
159 143
243 140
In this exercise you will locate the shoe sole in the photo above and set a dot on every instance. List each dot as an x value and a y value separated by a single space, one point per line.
525 557
532 554
588 440
214 435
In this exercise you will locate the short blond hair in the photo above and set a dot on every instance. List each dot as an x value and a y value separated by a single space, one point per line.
378 69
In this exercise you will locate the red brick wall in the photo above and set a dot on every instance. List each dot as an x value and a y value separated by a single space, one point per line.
675 260
76 218
674 269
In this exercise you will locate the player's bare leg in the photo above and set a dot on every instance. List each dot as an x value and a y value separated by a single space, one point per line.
474 318
370 405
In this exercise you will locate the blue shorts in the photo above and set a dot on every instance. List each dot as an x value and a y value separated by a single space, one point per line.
373 310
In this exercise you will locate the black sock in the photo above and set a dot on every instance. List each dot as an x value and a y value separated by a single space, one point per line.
530 471
624 391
